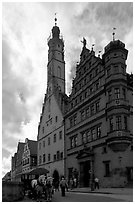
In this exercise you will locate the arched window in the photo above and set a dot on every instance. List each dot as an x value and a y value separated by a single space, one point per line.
59 71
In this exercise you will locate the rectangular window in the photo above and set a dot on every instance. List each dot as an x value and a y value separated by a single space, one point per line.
43 143
84 138
118 123
97 86
90 76
61 155
108 71
58 155
92 109
40 159
98 131
48 140
89 136
75 120
54 157
91 90
93 134
124 93
125 123
111 124
82 115
107 168
97 106
71 122
87 112
54 138
73 141
117 93
49 157
109 95
43 130
60 135
44 158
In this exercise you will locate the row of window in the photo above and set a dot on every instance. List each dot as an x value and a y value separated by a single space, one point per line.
95 132
117 93
49 122
93 73
87 136
114 69
49 139
56 157
27 161
87 112
94 87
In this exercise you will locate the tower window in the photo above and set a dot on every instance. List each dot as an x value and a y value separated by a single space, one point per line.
43 157
111 124
117 93
59 71
125 122
118 123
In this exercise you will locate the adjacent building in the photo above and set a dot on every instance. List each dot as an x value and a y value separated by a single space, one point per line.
98 122
24 159
50 137
29 157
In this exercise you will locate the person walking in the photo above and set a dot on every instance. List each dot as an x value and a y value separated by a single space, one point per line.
63 185
96 183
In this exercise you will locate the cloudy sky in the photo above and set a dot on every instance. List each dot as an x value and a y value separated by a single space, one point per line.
25 29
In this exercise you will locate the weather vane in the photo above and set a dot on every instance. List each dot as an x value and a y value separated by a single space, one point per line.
84 42
113 34
55 19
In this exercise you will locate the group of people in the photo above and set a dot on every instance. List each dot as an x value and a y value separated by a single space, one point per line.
45 186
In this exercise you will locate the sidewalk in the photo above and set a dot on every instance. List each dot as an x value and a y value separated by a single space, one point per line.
124 191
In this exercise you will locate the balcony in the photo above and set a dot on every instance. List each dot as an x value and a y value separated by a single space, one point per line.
119 141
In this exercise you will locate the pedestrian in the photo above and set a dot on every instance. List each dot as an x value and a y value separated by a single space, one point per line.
71 183
63 185
75 182
96 183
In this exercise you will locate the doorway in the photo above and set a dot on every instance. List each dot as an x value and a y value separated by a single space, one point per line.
84 173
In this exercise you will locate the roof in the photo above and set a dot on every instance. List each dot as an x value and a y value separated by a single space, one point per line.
32 147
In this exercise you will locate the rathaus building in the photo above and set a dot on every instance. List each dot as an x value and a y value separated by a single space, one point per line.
89 133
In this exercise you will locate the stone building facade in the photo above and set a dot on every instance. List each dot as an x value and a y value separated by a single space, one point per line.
98 121
51 152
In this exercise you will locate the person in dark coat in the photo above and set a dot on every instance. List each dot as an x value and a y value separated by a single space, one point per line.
63 185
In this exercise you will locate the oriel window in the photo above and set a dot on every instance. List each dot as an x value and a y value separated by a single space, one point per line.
118 123
117 93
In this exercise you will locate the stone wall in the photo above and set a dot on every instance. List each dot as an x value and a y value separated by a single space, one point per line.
12 191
